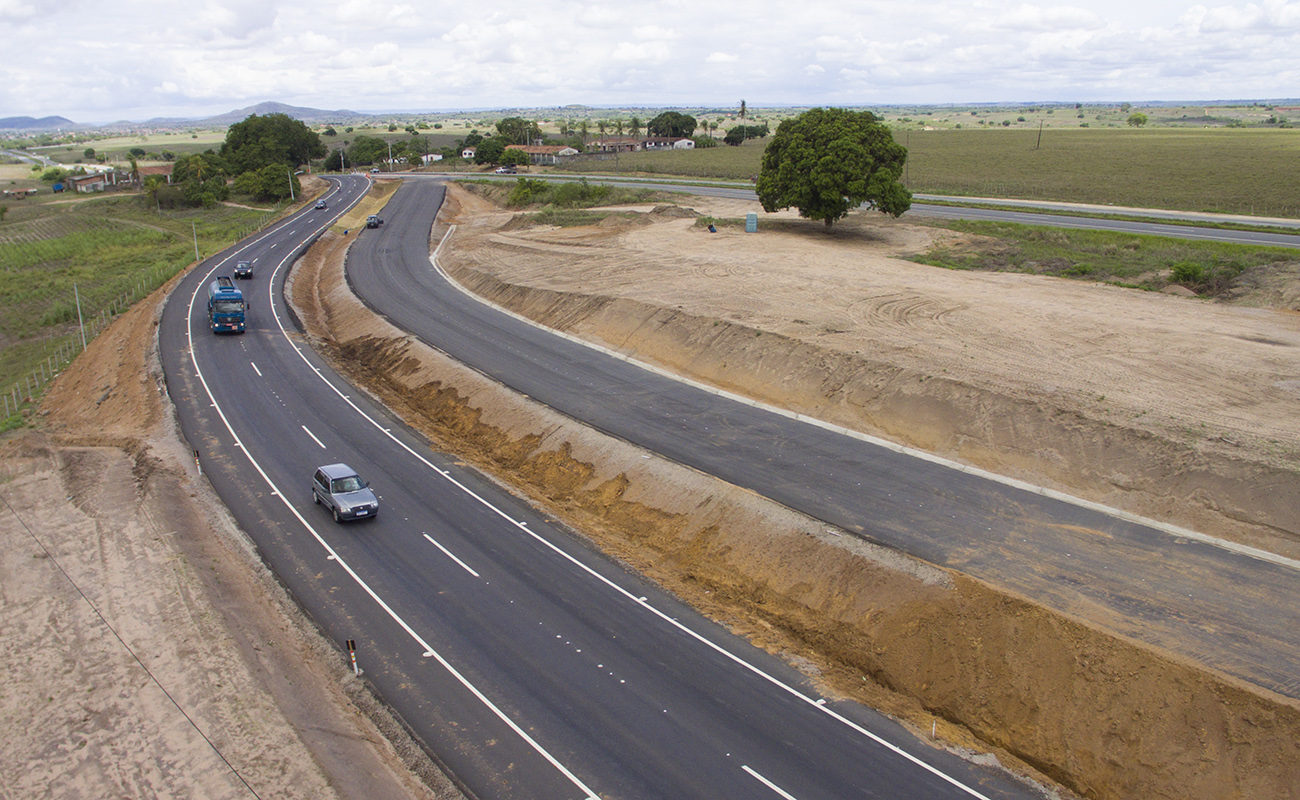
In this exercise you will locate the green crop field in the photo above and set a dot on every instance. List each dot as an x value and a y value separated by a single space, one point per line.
1228 170
1236 171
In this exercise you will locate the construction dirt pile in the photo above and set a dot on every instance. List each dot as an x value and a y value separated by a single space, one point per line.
1027 376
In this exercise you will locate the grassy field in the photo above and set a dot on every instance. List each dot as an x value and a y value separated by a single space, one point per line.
1144 262
726 163
117 150
1207 169
114 250
1228 170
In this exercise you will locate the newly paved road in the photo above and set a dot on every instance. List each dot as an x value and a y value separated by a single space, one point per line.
531 667
1229 609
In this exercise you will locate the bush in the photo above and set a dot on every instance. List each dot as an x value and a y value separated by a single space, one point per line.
1188 274
528 191
568 195
1208 280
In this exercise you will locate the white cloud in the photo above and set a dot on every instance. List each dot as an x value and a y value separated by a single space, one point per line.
1051 18
377 54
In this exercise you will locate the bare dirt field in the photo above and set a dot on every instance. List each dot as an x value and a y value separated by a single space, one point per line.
1171 407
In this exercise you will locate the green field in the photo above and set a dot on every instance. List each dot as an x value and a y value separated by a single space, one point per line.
1144 262
1224 170
1228 170
113 250
117 150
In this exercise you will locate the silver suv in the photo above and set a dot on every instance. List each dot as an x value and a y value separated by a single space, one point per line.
341 489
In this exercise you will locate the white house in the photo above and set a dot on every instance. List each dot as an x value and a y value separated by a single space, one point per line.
544 153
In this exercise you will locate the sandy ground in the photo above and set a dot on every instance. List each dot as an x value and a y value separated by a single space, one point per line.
1169 406
1172 407
150 654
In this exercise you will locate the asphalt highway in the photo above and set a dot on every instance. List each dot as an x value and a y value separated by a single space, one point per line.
529 666
1151 581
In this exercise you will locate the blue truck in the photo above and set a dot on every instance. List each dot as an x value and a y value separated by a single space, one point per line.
226 306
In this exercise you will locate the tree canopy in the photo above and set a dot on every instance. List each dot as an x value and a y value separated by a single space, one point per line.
272 182
279 139
671 123
517 130
826 162
489 151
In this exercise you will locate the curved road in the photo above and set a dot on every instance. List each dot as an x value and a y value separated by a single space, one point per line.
530 666
1151 580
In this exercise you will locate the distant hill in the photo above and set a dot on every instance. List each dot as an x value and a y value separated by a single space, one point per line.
33 124
310 116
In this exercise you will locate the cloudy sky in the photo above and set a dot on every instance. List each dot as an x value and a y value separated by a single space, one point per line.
104 60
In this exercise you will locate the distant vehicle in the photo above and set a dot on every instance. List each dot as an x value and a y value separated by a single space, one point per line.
341 490
506 170
244 269
226 306
321 203
373 221
374 170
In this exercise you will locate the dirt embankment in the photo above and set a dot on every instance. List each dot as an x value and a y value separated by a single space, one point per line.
150 652
1101 715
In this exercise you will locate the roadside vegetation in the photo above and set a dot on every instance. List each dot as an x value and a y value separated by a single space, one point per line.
1143 262
563 204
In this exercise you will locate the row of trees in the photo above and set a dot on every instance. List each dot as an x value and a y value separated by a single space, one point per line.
825 162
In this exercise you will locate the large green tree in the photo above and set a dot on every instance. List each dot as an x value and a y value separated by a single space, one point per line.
201 178
272 182
517 130
826 162
260 141
368 150
489 151
671 123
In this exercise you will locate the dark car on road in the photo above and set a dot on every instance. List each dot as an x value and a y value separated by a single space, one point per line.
321 203
340 489
244 269
373 221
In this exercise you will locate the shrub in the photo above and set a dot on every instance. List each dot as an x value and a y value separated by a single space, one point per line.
1188 274
568 195
528 191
